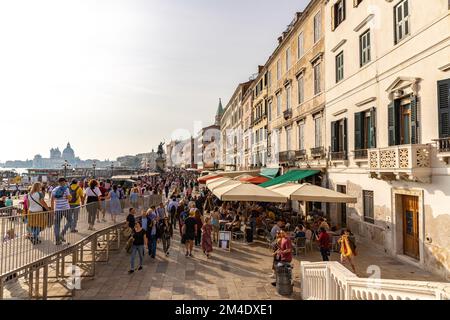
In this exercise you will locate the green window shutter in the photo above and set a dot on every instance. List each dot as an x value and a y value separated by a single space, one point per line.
392 121
444 108
345 147
414 120
372 129
334 140
358 131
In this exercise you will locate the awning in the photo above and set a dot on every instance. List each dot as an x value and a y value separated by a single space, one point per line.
214 183
204 179
247 192
291 176
269 172
309 192
255 180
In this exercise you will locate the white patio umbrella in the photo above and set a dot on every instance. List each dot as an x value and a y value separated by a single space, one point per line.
309 192
213 183
247 192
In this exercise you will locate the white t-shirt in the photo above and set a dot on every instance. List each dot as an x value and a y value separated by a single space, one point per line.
32 199
96 193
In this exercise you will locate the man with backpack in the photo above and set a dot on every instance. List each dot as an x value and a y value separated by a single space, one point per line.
172 208
76 200
60 204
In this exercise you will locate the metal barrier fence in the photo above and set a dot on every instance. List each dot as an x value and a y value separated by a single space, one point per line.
30 237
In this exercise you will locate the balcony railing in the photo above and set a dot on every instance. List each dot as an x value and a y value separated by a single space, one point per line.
444 144
339 156
287 156
318 152
287 114
412 161
361 154
300 154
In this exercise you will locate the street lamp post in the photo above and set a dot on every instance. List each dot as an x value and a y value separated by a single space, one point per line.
93 166
65 165
112 169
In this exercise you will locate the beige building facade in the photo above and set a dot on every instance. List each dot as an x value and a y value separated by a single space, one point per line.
296 93
387 103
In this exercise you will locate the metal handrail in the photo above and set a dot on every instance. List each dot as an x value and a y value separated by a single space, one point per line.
29 237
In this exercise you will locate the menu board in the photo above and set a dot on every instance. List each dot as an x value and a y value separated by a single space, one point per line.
225 240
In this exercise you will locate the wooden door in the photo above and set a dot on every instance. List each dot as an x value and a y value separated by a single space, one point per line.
411 226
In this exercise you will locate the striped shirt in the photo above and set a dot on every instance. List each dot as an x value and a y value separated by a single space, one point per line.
63 202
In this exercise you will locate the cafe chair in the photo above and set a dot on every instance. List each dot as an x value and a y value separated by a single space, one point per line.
300 244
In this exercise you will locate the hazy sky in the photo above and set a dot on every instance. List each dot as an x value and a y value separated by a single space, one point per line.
115 77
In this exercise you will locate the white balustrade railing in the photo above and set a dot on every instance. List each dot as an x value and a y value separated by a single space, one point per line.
332 281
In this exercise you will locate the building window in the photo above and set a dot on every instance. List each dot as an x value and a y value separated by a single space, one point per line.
269 110
278 69
339 139
444 108
278 104
364 48
300 46
288 59
317 86
403 121
338 13
288 138
401 20
288 97
269 78
301 89
368 206
318 132
340 67
317 27
365 132
301 136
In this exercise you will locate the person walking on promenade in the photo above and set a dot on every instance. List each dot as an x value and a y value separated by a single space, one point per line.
164 233
93 195
60 204
324 244
160 211
198 219
114 203
134 196
348 248
76 200
139 243
189 231
152 220
38 217
215 224
102 204
206 237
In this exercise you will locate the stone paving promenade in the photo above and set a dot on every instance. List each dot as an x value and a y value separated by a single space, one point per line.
239 274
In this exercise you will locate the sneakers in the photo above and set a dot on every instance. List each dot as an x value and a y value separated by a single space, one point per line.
130 271
140 268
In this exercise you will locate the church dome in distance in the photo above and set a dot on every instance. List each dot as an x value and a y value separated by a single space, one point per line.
68 153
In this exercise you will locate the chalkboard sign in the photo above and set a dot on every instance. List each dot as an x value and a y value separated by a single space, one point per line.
225 240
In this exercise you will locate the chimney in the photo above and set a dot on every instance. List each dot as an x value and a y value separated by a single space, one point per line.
260 68
298 15
280 39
